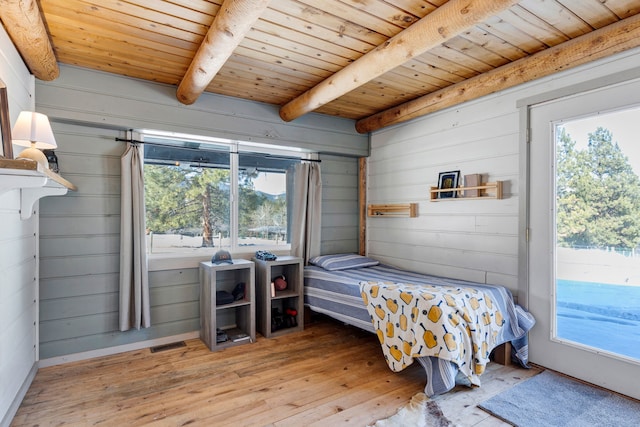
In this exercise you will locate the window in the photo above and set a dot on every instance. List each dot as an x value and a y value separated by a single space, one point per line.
190 194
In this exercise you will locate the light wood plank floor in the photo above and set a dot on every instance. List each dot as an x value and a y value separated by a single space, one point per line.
327 375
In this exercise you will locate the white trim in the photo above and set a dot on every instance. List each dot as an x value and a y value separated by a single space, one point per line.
117 349
177 261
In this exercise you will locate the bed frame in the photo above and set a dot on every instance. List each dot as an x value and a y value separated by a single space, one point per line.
338 294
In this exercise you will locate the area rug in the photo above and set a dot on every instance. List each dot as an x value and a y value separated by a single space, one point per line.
550 399
419 412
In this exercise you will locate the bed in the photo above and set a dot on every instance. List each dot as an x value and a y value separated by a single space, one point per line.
449 326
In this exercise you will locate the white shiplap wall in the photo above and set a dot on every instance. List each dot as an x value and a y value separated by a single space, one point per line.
18 259
474 240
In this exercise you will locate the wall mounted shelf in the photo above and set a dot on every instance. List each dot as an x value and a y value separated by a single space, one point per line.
393 209
33 181
488 190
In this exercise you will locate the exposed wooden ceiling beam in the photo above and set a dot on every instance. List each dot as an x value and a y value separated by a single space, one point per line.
233 21
609 40
442 24
22 20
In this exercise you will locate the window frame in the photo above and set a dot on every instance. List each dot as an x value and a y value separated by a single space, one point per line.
236 148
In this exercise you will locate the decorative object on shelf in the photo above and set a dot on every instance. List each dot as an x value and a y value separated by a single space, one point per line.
396 209
238 291
221 336
448 180
290 320
6 149
471 180
266 256
221 257
277 319
280 283
284 320
239 336
224 298
52 158
33 130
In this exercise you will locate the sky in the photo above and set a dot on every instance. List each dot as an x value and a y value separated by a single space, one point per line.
272 183
624 126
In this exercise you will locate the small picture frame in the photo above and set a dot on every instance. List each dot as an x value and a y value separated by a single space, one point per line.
6 148
448 180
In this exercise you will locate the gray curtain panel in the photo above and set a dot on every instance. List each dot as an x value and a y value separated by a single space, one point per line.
135 309
307 211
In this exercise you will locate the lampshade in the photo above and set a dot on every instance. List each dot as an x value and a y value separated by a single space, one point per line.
33 130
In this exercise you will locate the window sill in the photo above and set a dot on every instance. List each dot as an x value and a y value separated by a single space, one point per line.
177 261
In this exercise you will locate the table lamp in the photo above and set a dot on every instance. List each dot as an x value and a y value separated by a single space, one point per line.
33 130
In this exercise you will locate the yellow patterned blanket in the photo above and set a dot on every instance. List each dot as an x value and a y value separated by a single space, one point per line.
458 324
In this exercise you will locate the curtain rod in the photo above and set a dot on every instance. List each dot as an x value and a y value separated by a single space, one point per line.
134 141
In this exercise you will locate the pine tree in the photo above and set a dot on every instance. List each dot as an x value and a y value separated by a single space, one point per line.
180 199
598 194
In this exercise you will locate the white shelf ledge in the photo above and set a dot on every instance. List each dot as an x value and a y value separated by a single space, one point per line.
33 181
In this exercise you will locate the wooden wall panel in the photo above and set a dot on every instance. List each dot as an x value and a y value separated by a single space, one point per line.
115 101
18 258
477 240
339 204
80 249
80 242
64 287
80 256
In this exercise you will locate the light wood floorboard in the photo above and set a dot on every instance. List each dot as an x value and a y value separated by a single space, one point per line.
327 375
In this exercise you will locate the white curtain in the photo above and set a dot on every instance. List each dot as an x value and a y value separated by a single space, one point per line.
307 209
134 284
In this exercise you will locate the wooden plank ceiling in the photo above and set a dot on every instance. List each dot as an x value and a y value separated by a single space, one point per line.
295 45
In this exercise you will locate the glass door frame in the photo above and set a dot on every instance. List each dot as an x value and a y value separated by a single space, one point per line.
537 244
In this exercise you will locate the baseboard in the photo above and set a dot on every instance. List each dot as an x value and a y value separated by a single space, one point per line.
59 360
11 411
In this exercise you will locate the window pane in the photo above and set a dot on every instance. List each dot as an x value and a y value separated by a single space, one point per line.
598 232
190 187
187 199
262 216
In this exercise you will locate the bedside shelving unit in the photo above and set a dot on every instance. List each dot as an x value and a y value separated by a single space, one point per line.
236 318
292 297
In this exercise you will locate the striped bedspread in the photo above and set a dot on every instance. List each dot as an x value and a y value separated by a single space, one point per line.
338 294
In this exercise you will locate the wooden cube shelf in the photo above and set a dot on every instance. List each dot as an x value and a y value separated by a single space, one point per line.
237 319
270 299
